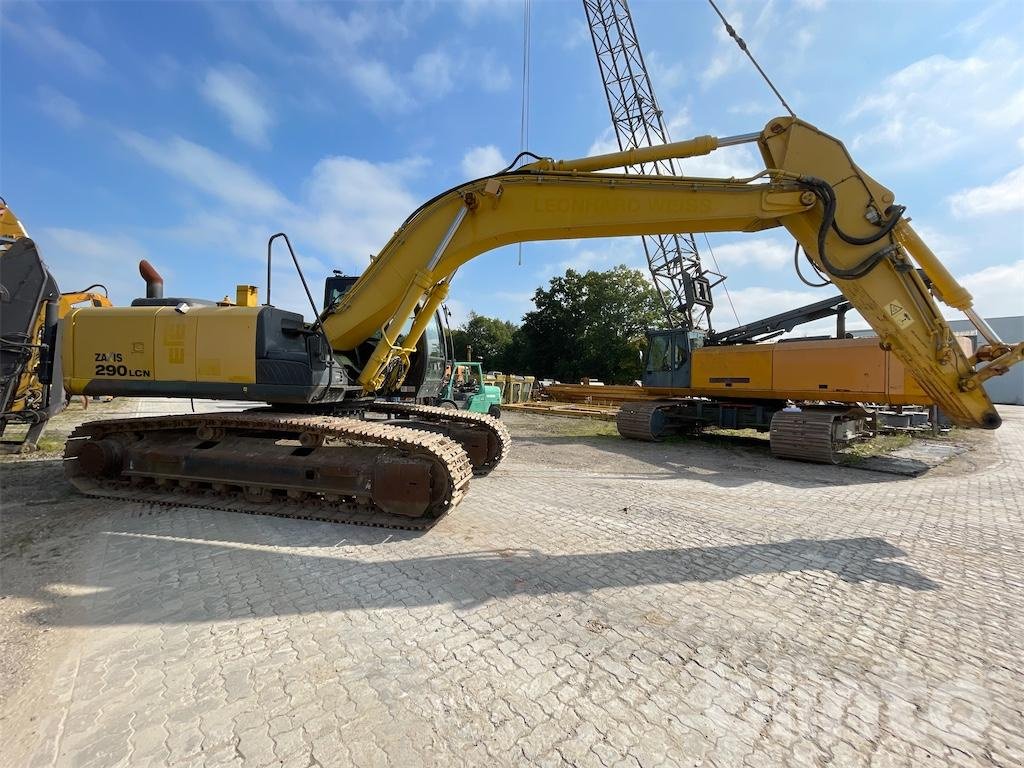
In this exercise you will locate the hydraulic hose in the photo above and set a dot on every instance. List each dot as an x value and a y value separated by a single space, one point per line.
824 192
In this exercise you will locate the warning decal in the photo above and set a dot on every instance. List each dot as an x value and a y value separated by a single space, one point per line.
898 314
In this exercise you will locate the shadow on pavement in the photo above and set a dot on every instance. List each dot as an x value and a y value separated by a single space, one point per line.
724 461
150 576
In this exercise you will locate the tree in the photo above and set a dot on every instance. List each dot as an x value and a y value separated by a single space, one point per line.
489 338
590 324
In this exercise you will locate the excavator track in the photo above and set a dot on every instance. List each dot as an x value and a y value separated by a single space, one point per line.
484 438
806 435
324 468
641 420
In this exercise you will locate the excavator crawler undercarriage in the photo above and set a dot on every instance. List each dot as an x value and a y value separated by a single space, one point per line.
813 433
485 439
329 468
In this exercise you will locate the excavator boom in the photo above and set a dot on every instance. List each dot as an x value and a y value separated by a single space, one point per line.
846 222
365 342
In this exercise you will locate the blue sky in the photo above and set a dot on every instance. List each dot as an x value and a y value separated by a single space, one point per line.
187 133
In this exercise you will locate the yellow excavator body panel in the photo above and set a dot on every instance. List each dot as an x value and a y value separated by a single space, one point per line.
733 369
159 344
841 370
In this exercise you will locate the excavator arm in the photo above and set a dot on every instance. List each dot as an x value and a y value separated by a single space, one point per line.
329 450
846 222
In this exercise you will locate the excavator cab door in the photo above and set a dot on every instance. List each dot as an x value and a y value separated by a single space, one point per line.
667 361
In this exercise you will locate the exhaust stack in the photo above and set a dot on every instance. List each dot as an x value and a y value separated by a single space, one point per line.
154 283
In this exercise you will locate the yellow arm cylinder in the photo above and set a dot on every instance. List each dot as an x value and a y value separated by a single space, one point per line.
701 145
952 293
371 376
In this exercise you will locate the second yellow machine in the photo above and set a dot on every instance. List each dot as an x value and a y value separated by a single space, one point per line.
325 447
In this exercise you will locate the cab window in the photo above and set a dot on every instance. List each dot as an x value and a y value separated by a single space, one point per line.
680 354
658 354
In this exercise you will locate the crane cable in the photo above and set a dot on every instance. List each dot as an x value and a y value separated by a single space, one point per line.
725 288
524 110
743 47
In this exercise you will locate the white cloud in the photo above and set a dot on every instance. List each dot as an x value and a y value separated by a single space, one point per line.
588 254
482 161
677 123
576 34
458 313
80 258
339 45
811 5
432 74
204 169
950 248
492 75
756 302
666 74
979 20
354 206
760 252
932 108
380 86
726 163
337 38
511 305
59 107
727 58
997 290
31 26
805 36
1002 196
752 108
604 144
229 233
474 10
761 26
331 31
350 207
163 70
235 93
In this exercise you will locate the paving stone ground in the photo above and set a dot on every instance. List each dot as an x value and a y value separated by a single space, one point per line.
591 603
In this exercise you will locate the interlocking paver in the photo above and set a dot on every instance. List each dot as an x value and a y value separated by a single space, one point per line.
610 604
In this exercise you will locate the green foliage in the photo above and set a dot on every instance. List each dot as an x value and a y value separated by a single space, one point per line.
591 324
584 324
489 338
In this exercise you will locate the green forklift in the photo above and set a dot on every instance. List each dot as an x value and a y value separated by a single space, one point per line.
465 390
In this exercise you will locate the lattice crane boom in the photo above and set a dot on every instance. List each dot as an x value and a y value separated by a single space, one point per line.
682 282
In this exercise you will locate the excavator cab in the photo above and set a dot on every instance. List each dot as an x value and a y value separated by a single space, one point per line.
426 366
336 286
667 359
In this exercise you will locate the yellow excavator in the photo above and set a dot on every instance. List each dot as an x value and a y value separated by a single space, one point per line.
327 445
30 307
